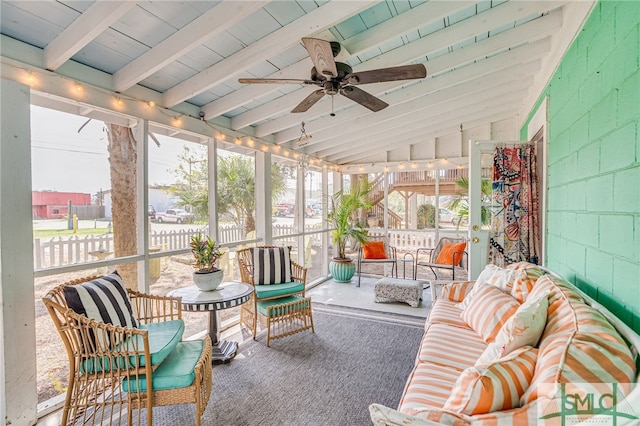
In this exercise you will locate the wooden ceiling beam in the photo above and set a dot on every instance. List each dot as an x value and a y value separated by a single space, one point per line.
86 27
215 21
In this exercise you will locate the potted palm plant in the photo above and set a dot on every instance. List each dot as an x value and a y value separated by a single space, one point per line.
206 253
347 228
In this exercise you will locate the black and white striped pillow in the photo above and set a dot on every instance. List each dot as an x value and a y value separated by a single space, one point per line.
104 299
271 265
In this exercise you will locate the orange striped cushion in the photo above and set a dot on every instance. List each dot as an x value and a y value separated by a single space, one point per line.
489 309
498 386
445 312
451 346
524 283
429 386
457 291
524 328
578 345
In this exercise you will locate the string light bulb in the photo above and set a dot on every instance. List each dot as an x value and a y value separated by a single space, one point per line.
151 104
238 141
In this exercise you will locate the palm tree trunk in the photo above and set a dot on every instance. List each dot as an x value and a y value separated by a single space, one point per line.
122 164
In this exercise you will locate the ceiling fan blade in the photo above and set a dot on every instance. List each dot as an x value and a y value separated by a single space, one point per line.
322 56
405 72
309 101
363 98
274 81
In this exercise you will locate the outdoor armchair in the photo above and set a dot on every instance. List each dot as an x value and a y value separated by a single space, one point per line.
290 279
140 365
448 254
377 251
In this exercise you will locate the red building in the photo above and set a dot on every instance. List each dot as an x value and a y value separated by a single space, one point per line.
54 205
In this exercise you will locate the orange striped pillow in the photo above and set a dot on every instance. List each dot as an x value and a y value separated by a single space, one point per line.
489 309
495 387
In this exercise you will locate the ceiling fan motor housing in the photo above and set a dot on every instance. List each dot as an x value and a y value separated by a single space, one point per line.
342 68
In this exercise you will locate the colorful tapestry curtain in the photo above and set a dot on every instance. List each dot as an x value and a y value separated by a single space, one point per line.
515 229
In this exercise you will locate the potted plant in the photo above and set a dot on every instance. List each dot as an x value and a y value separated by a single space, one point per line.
206 253
347 228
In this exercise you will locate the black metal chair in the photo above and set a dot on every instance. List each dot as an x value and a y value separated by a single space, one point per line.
429 257
390 257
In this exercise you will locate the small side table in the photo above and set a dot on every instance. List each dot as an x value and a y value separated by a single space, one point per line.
227 295
407 258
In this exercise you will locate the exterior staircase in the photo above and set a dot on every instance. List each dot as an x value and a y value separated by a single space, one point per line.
422 182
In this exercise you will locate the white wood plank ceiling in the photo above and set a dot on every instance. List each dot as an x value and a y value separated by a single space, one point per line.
486 61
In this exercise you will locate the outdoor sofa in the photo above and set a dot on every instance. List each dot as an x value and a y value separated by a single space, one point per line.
525 347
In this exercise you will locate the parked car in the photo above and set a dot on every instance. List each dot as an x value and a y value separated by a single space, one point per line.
152 212
284 209
174 215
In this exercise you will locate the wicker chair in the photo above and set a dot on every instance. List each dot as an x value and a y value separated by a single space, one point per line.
428 257
103 358
249 311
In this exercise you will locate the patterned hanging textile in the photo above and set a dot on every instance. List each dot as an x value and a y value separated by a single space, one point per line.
515 231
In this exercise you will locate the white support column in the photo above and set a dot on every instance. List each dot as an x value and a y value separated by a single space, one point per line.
142 188
212 181
325 211
437 197
18 391
413 208
263 197
386 204
301 204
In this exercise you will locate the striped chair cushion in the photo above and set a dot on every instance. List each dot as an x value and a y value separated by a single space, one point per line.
489 309
495 387
271 265
104 299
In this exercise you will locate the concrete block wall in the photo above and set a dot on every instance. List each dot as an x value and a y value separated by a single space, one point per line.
593 232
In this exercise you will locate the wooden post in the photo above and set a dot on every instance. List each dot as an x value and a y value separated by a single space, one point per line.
18 394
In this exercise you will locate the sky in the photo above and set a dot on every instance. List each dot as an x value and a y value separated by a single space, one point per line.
65 160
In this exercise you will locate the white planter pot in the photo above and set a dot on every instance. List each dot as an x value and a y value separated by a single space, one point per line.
209 281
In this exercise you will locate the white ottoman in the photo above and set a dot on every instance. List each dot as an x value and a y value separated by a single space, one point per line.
395 289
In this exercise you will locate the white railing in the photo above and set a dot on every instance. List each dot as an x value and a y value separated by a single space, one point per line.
59 251
412 239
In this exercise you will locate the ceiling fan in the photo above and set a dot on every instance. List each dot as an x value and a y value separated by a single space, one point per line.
338 77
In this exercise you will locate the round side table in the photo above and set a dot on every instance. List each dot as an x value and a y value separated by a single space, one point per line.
227 295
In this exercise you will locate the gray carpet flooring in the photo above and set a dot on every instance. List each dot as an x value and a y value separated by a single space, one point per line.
326 378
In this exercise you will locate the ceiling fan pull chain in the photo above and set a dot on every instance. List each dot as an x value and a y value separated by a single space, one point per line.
332 113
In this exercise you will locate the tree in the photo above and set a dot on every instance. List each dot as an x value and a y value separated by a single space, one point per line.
461 204
122 167
236 186
426 216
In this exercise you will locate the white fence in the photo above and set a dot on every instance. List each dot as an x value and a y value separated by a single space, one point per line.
59 251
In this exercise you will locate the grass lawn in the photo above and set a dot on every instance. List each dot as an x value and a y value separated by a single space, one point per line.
50 233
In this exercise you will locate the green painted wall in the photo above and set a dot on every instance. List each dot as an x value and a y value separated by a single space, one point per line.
593 232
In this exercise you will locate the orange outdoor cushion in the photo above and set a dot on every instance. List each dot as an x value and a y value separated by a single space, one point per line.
374 250
447 253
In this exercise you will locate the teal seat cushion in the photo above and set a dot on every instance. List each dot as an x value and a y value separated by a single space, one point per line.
274 290
163 338
263 305
176 371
